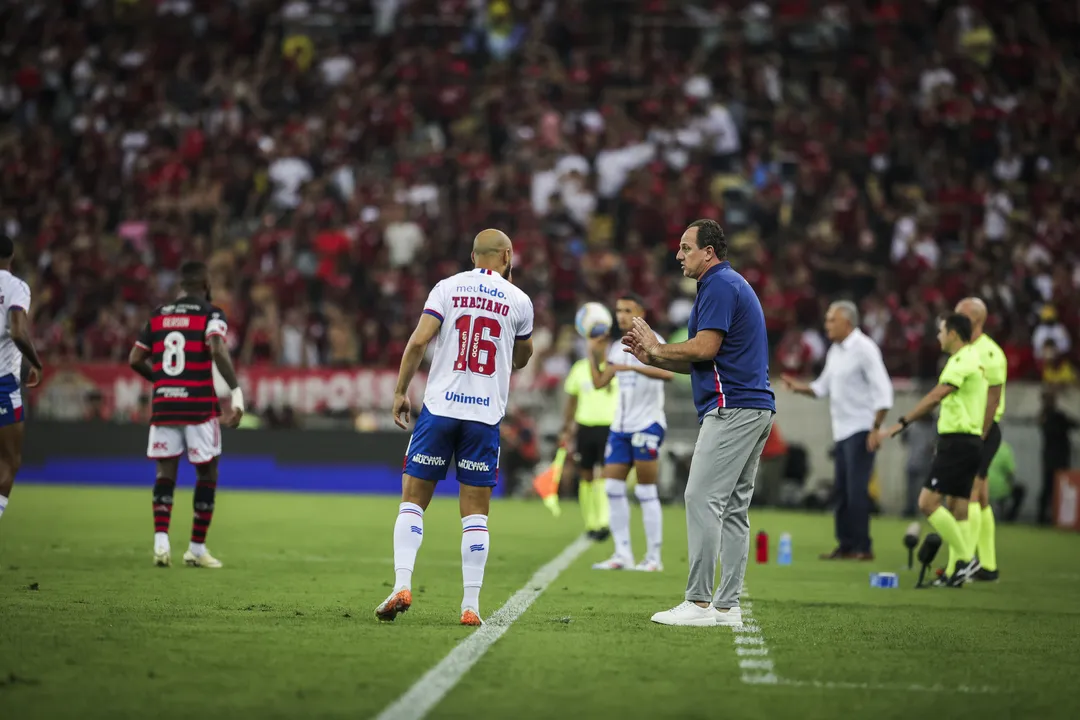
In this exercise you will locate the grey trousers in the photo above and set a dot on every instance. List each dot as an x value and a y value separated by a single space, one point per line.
718 494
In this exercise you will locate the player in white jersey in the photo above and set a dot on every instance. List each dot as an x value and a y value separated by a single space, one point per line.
634 439
483 327
15 343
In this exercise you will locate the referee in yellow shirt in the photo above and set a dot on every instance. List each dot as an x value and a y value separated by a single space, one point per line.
982 526
592 411
961 392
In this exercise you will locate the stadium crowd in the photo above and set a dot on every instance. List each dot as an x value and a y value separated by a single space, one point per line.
333 158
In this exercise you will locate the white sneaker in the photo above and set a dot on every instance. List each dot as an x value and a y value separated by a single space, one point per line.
162 558
687 613
730 618
206 560
615 563
649 566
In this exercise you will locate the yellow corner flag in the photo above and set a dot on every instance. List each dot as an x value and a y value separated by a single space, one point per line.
546 483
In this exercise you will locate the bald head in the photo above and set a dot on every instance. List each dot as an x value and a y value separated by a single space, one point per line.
974 310
492 250
490 242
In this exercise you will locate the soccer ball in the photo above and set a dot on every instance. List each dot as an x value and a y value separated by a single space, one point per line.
592 320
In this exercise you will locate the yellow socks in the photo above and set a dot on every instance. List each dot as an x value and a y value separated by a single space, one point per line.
586 495
974 526
953 534
601 505
987 540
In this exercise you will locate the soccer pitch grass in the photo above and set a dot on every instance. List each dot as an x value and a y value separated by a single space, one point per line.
89 629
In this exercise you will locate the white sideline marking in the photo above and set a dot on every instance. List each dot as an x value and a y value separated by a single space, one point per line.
899 687
751 651
754 672
762 672
430 689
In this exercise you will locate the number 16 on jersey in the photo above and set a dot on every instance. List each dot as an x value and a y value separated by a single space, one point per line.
476 346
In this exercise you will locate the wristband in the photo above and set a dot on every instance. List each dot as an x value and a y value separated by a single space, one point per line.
904 423
237 397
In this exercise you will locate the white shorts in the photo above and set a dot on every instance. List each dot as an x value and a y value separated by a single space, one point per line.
203 442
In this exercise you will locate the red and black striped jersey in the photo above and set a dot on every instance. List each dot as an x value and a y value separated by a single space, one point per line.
177 336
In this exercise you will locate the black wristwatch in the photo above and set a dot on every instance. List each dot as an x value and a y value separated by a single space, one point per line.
904 422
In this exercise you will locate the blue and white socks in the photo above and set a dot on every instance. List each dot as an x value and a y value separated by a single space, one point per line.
475 545
408 534
620 518
653 518
651 515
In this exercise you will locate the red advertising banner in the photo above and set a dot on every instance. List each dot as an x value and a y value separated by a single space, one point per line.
113 390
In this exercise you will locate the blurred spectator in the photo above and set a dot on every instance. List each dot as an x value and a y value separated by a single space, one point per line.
520 448
1057 369
1056 427
1050 331
342 155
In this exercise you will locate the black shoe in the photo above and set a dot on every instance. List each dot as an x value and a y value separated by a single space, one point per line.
984 575
601 535
961 574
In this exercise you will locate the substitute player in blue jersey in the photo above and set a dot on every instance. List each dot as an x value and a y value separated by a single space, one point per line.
633 441
482 326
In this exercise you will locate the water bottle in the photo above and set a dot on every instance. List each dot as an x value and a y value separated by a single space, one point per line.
762 547
783 552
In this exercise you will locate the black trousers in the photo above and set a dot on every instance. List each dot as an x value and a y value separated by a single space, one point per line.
854 465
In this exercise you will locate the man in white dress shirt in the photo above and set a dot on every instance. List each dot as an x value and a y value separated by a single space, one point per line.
860 394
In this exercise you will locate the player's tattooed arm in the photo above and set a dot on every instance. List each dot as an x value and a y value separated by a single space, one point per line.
219 351
139 360
20 335
523 351
426 330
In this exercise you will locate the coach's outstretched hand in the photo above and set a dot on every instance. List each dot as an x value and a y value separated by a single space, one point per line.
640 341
402 411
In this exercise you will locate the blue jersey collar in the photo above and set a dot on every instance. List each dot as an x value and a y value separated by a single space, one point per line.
712 271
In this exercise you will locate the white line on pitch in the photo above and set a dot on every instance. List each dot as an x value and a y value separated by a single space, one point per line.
900 687
430 689
761 671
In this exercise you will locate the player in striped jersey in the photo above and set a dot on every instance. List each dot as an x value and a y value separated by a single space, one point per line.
177 351
15 345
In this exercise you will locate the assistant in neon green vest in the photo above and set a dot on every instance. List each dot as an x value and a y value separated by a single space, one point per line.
961 392
591 411
996 370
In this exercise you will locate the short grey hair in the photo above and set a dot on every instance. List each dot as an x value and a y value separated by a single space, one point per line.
848 308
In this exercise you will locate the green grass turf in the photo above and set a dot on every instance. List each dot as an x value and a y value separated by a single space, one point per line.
286 631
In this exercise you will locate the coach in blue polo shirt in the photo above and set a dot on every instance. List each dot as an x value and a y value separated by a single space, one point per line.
727 358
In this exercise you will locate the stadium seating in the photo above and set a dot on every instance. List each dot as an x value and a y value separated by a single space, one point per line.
333 160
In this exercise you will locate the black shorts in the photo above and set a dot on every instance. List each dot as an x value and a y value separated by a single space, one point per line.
591 441
989 450
956 460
